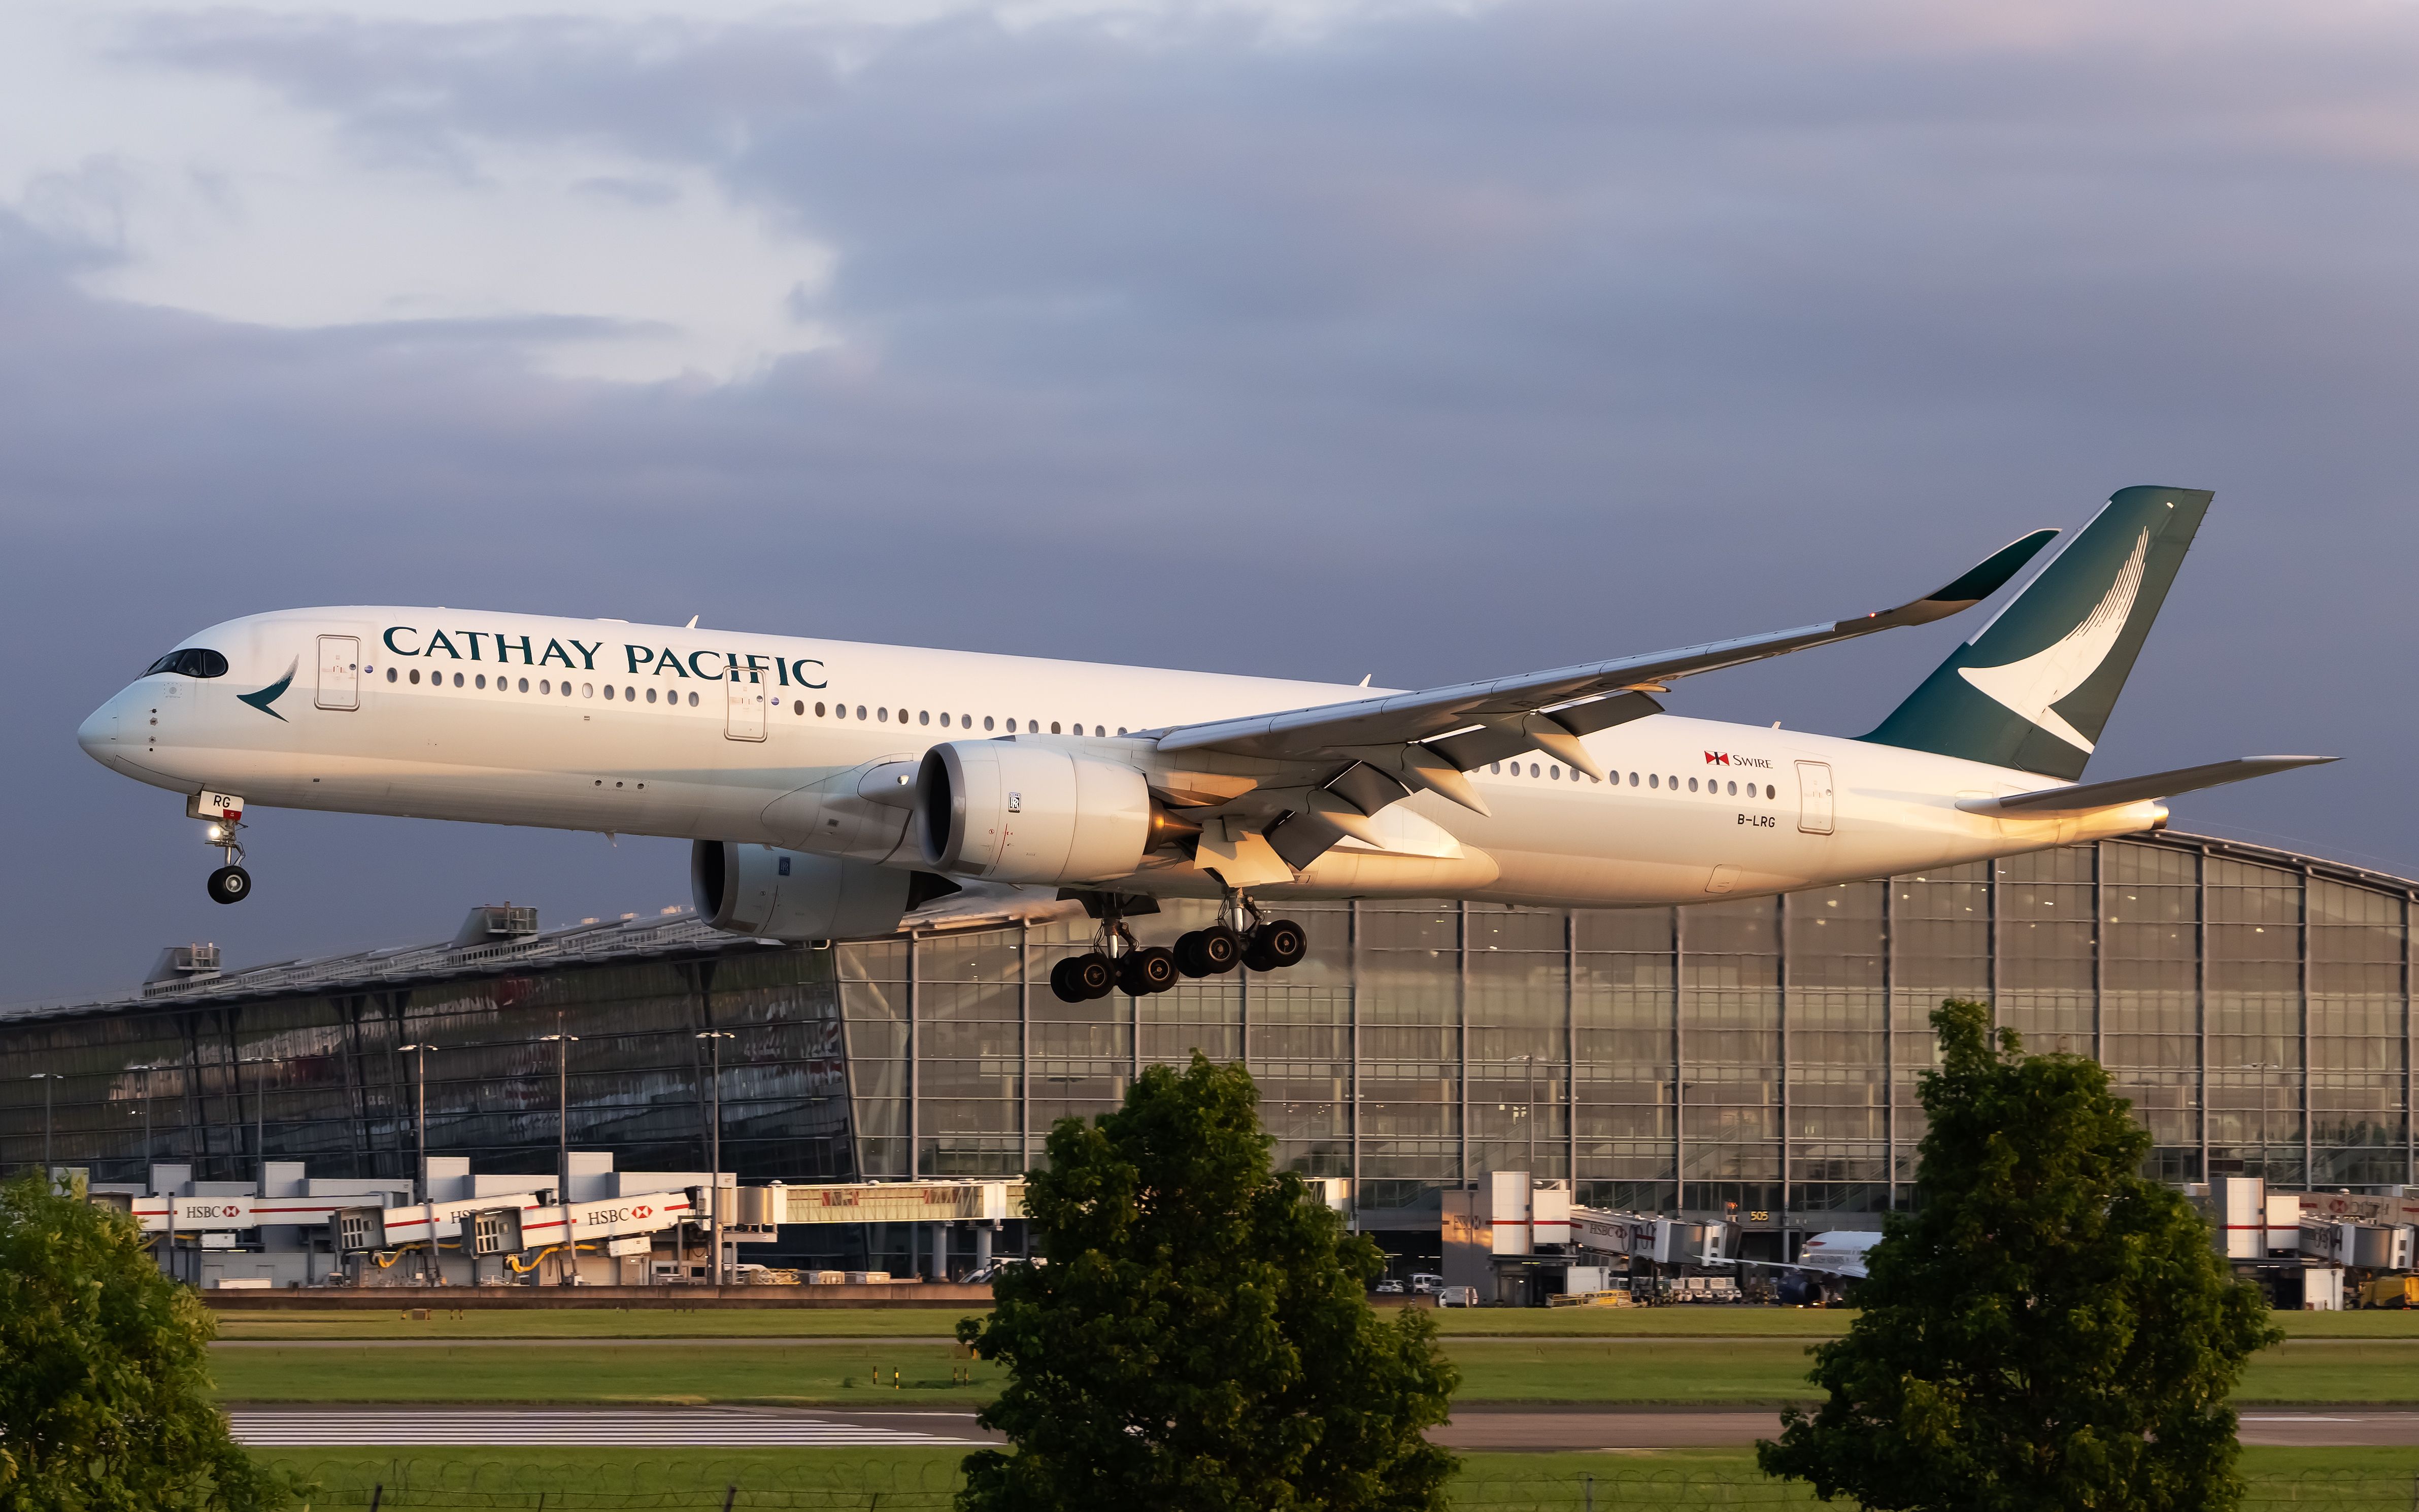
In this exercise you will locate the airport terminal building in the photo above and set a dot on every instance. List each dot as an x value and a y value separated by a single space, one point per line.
1754 1059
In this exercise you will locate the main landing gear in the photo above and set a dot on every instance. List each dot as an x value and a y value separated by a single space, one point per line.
231 883
1117 963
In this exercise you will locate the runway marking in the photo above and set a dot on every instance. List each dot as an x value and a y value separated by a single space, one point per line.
2300 1417
699 1427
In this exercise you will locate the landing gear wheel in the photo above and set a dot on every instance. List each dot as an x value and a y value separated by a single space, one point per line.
1276 945
1092 975
1062 983
1209 952
230 885
1148 971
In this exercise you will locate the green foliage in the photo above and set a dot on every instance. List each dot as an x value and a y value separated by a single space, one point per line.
104 1390
2048 1329
1199 1339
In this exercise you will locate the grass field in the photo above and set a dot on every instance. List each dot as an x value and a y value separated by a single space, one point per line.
939 1323
2344 1480
1611 1371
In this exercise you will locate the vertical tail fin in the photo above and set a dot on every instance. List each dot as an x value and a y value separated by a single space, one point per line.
2034 689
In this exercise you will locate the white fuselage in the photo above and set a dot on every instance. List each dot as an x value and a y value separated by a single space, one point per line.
645 729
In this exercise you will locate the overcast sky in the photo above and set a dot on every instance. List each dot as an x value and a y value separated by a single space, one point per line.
1424 341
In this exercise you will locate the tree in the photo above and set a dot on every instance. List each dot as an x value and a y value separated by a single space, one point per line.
2048 1329
1200 1335
104 1389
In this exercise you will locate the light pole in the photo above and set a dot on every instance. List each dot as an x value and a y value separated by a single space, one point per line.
566 1267
428 1271
713 1039
419 1108
259 1122
46 1078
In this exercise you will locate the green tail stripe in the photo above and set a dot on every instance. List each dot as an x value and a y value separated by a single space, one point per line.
2034 689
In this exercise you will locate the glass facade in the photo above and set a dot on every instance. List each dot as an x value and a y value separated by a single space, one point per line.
1760 1053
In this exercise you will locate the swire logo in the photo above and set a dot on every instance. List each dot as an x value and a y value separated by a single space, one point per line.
1729 758
1717 758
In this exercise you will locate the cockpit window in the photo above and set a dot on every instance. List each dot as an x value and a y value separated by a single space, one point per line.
194 661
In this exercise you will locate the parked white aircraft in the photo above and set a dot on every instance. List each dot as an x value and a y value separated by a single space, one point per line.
830 786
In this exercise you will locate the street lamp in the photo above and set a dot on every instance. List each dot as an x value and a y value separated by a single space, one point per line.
566 1267
420 1109
260 1121
428 1271
713 1039
46 1078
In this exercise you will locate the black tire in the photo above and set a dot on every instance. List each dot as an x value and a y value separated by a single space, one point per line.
1094 975
1187 954
1149 970
1222 950
230 885
1276 945
1063 985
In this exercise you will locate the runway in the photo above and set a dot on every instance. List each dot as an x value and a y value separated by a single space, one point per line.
742 1426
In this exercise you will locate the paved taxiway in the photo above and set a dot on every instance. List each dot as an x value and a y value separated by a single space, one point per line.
1579 1428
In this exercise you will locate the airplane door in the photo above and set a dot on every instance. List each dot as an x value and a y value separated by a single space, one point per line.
747 717
1814 797
340 671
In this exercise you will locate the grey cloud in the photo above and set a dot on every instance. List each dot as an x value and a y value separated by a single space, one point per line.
1437 347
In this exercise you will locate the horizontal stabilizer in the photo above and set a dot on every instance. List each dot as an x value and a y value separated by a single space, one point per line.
2091 795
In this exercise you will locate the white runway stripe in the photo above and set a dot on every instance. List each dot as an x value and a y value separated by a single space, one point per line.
701 1426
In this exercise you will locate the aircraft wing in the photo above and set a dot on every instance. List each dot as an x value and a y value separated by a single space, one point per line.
1469 724
2085 797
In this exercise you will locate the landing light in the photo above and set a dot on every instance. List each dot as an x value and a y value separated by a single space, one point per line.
214 835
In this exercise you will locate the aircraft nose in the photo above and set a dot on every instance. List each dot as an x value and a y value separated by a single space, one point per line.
98 731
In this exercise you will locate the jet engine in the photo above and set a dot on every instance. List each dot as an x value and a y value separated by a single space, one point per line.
1006 811
791 895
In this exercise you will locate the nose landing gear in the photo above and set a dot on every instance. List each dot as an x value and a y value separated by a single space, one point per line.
231 883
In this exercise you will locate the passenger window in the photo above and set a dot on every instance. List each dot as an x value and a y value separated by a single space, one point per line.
1533 768
922 715
524 688
1651 780
1733 789
860 710
480 681
692 701
819 711
1770 790
1692 785
1496 767
608 691
586 690
1121 729
986 721
630 695
882 714
390 674
944 718
544 684
1054 727
457 679
1554 771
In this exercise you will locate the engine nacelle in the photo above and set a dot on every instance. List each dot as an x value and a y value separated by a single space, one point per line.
1010 812
791 895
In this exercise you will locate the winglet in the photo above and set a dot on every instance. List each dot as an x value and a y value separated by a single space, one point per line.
1970 587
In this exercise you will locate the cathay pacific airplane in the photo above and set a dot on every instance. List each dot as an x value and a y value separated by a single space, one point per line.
831 787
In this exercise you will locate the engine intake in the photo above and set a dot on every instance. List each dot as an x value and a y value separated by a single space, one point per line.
1010 812
792 895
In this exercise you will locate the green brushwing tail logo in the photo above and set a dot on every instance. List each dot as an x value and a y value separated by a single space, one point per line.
275 691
